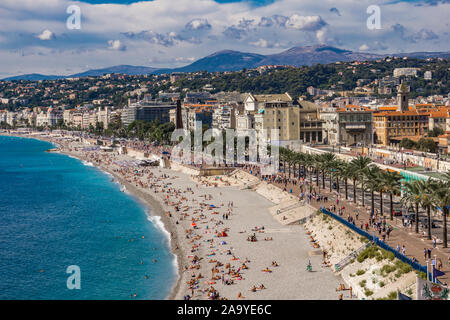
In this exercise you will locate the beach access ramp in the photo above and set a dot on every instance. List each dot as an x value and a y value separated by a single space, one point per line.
273 193
291 212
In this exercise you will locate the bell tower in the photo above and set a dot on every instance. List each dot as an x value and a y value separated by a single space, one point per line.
403 97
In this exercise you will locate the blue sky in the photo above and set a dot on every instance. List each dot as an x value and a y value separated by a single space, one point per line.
168 33
255 2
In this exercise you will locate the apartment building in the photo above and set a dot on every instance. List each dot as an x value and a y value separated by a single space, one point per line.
354 126
224 116
401 124
147 111
438 118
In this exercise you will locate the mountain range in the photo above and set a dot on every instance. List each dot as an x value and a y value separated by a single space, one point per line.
229 60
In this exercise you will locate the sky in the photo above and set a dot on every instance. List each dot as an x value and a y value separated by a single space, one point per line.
36 36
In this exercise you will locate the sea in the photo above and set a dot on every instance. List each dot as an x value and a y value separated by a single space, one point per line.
69 232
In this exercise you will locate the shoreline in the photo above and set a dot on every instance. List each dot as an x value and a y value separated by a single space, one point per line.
154 207
251 210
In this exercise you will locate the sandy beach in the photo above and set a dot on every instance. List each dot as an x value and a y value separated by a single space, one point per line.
211 228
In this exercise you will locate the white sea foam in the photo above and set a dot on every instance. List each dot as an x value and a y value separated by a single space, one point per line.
88 164
156 220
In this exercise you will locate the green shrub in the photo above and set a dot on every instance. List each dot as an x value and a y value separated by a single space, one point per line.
369 252
387 268
368 292
392 295
362 283
382 284
360 272
421 275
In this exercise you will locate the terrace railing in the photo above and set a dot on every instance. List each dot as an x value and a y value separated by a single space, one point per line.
415 265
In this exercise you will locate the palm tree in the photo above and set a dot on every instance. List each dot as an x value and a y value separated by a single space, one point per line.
309 163
359 164
426 199
328 160
339 170
297 160
447 176
392 184
317 165
346 173
284 154
372 176
441 199
412 196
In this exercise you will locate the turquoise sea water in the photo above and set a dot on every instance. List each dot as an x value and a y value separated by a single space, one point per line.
56 212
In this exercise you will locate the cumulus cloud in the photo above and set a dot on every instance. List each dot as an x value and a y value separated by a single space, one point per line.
245 24
375 46
413 37
174 25
166 40
322 35
234 32
336 11
276 19
198 24
305 23
364 47
45 35
425 34
260 43
265 22
116 45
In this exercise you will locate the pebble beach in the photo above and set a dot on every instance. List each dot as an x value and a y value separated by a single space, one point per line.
226 242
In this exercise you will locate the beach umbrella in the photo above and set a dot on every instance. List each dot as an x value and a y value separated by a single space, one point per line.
193 224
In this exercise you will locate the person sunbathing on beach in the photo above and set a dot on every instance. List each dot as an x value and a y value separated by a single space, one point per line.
253 289
274 264
267 270
261 287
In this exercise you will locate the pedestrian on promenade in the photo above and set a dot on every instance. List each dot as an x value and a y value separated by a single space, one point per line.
398 248
404 250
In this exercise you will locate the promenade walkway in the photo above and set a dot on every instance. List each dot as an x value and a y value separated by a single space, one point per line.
400 236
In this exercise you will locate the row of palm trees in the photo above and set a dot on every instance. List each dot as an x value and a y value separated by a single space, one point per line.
430 194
